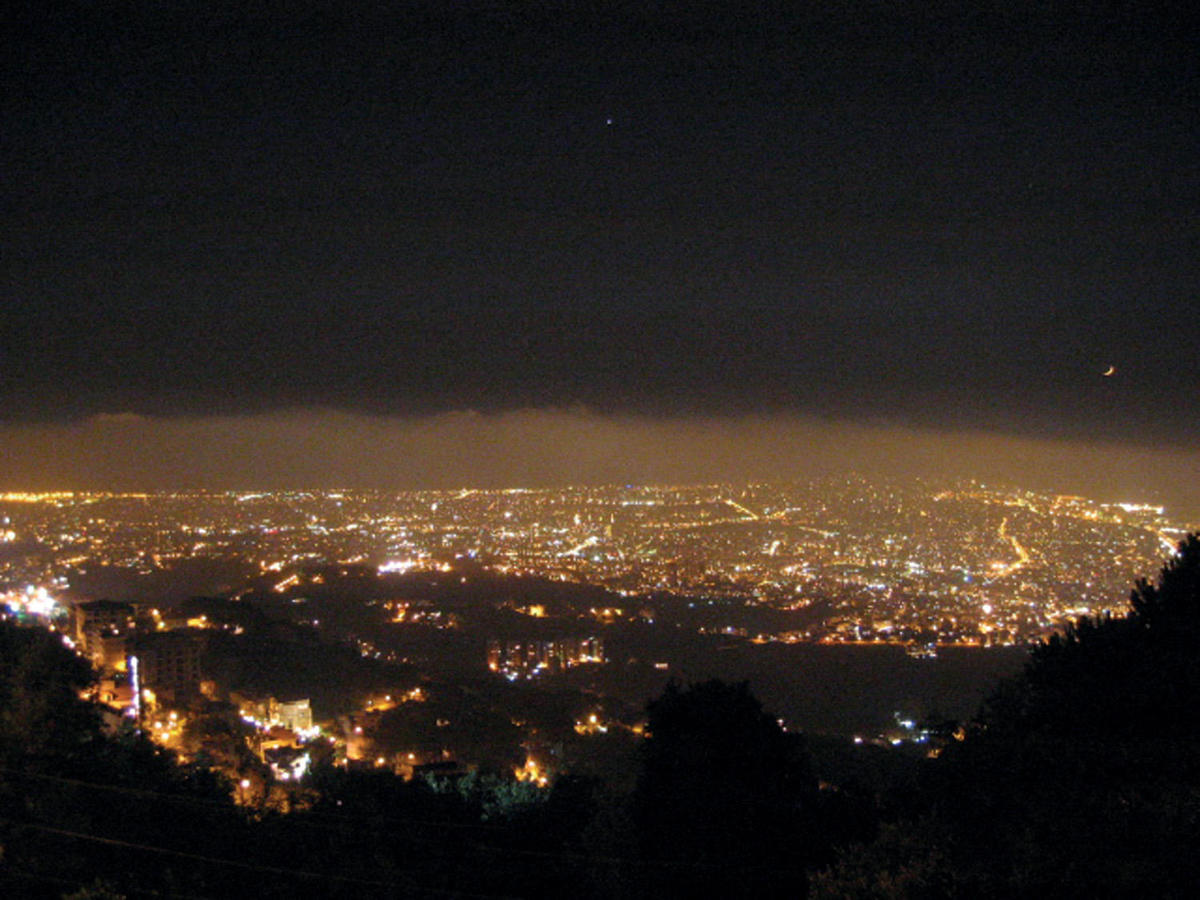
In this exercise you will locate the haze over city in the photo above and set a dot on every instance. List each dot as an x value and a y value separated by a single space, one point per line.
328 449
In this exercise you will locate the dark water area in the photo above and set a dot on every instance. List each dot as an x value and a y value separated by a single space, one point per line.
838 689
858 689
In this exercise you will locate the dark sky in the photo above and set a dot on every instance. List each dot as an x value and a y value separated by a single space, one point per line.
949 217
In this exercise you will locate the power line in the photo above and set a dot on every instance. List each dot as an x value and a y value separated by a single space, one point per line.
240 864
118 788
218 805
9 873
364 823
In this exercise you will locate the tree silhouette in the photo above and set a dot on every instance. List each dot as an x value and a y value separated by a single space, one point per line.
41 715
724 788
1080 775
60 772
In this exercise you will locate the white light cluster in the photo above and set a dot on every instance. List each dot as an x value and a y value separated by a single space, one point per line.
33 600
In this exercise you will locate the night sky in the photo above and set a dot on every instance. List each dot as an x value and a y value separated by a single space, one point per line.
945 220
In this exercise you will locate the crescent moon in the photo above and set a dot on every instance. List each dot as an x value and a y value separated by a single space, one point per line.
1109 372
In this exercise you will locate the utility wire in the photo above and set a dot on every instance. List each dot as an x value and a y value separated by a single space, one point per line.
218 805
304 818
256 867
9 873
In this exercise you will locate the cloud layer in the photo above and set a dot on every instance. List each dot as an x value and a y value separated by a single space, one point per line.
536 448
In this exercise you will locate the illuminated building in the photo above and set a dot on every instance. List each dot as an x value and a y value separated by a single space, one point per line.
170 663
524 659
295 715
101 629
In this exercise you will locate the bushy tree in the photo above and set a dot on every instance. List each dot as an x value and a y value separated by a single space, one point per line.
42 717
60 772
724 790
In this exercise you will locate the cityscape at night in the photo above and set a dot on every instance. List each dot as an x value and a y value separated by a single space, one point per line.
502 448
432 589
853 559
274 638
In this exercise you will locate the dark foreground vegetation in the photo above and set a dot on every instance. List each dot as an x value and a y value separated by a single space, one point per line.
1081 776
